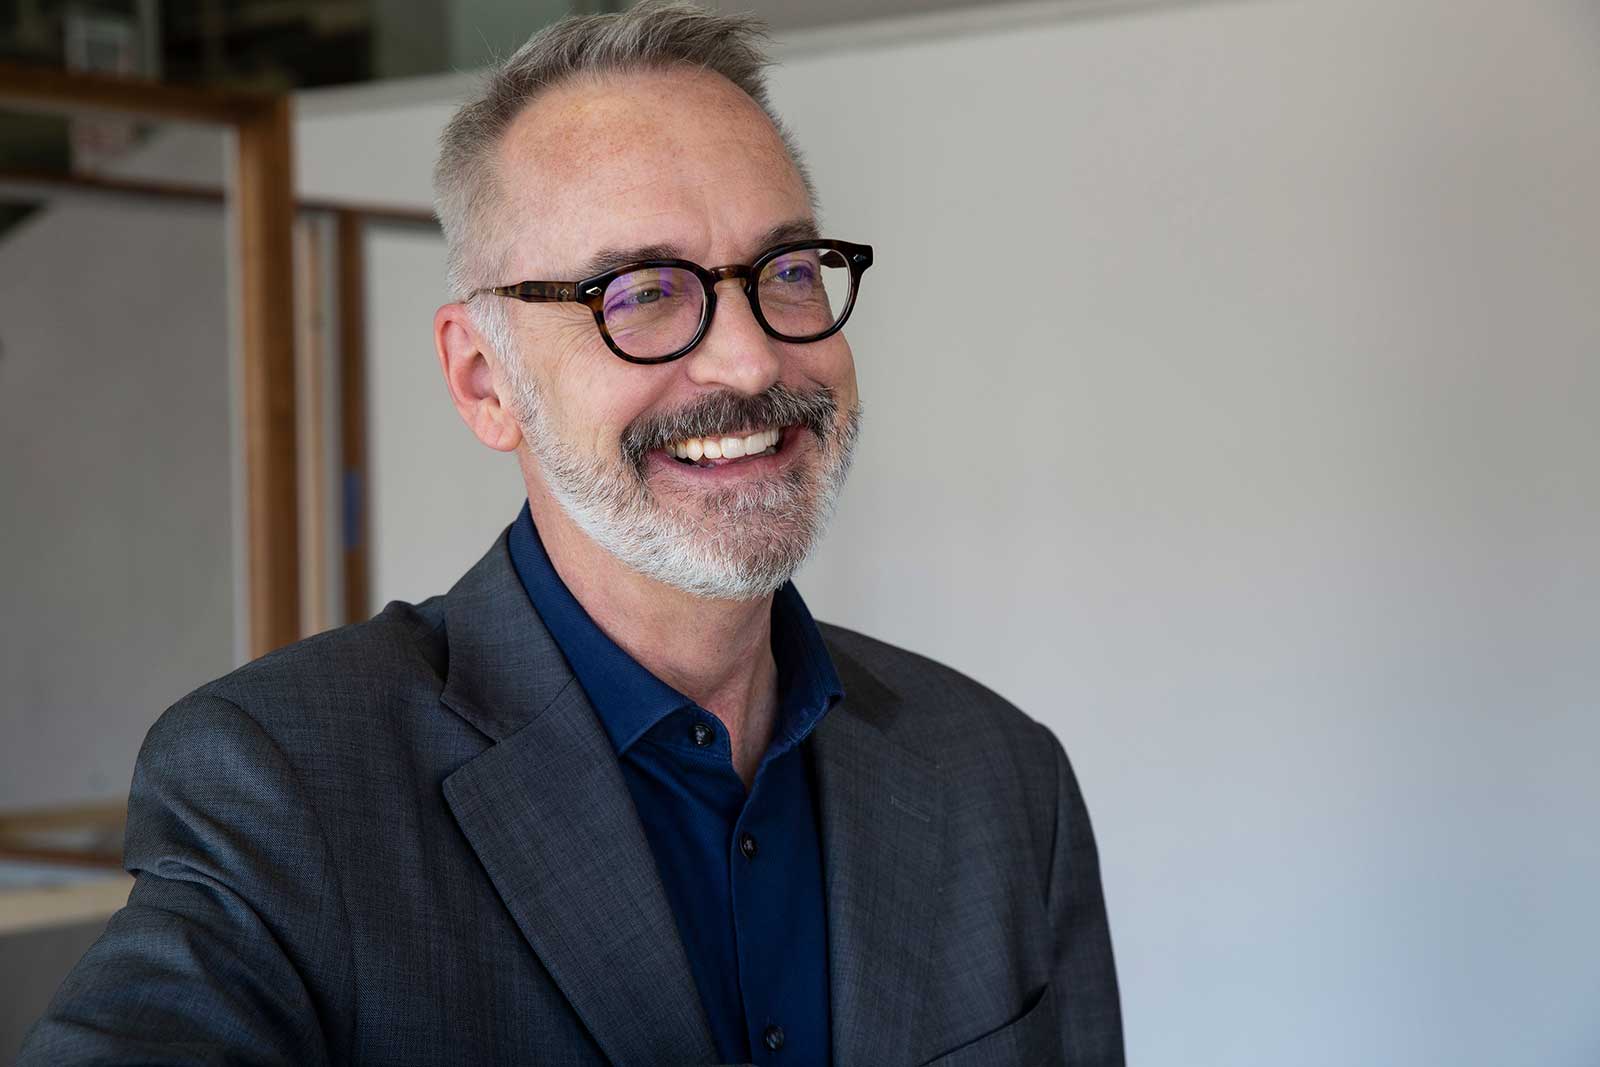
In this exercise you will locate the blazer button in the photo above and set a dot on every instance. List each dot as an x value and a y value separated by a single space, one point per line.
773 1037
747 845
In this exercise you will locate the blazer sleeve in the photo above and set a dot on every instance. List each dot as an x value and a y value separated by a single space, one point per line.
1085 975
234 892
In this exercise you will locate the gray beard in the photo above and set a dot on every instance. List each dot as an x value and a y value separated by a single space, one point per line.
740 543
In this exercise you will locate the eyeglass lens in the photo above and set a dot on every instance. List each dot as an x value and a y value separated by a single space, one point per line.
656 311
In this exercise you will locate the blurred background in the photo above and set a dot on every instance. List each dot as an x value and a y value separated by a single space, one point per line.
1231 374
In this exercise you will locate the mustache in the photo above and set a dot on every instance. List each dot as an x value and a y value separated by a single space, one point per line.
720 413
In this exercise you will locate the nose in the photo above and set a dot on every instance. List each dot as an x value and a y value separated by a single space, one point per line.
735 352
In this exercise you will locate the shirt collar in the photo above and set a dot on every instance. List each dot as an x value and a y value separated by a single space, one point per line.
628 698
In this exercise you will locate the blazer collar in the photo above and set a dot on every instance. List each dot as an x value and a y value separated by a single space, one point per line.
550 818
549 815
504 667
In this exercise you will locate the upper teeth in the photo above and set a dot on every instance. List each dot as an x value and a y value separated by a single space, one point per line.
698 448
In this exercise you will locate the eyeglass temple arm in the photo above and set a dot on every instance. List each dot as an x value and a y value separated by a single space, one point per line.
536 292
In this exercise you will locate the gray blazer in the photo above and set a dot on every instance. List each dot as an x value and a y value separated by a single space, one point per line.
409 841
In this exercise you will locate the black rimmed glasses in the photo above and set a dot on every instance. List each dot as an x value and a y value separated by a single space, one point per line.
658 310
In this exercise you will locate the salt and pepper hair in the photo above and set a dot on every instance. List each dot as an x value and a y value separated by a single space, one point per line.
651 36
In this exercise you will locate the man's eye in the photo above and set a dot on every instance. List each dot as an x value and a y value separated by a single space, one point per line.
795 274
640 297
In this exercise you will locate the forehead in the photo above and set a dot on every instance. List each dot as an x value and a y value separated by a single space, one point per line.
678 157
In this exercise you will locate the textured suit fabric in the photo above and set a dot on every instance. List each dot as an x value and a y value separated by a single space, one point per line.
754 927
408 841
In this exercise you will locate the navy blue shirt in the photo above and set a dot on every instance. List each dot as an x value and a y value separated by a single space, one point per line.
742 871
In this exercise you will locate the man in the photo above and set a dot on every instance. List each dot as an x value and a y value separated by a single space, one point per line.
615 797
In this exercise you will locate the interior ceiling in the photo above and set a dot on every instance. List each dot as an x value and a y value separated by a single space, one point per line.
287 44
301 43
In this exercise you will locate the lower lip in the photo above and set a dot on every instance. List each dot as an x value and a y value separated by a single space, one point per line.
732 469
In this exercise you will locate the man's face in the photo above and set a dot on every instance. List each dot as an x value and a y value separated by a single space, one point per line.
685 164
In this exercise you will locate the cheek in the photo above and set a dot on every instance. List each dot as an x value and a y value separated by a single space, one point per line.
847 360
831 363
565 350
616 409
602 395
569 363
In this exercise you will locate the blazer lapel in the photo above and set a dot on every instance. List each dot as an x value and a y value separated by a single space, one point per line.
882 819
549 816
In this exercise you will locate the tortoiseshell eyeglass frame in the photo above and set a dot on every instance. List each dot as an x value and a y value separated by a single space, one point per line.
591 291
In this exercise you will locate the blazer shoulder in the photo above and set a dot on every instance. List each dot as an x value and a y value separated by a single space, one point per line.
948 707
398 652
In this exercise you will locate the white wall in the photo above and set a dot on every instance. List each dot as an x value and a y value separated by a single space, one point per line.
439 497
116 482
1280 500
1231 372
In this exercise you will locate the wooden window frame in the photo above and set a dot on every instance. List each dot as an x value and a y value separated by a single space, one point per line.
263 198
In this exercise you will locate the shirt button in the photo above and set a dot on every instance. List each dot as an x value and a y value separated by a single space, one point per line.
747 845
773 1037
702 734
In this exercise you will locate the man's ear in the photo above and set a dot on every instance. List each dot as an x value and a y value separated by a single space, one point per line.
471 379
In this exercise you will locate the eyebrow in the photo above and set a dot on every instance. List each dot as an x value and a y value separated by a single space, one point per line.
608 259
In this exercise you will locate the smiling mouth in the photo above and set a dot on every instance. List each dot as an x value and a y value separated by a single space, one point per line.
720 451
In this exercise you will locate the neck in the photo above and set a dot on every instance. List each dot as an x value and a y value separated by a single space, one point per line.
717 653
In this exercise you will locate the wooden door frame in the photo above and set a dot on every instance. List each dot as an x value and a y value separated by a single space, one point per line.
344 262
263 198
